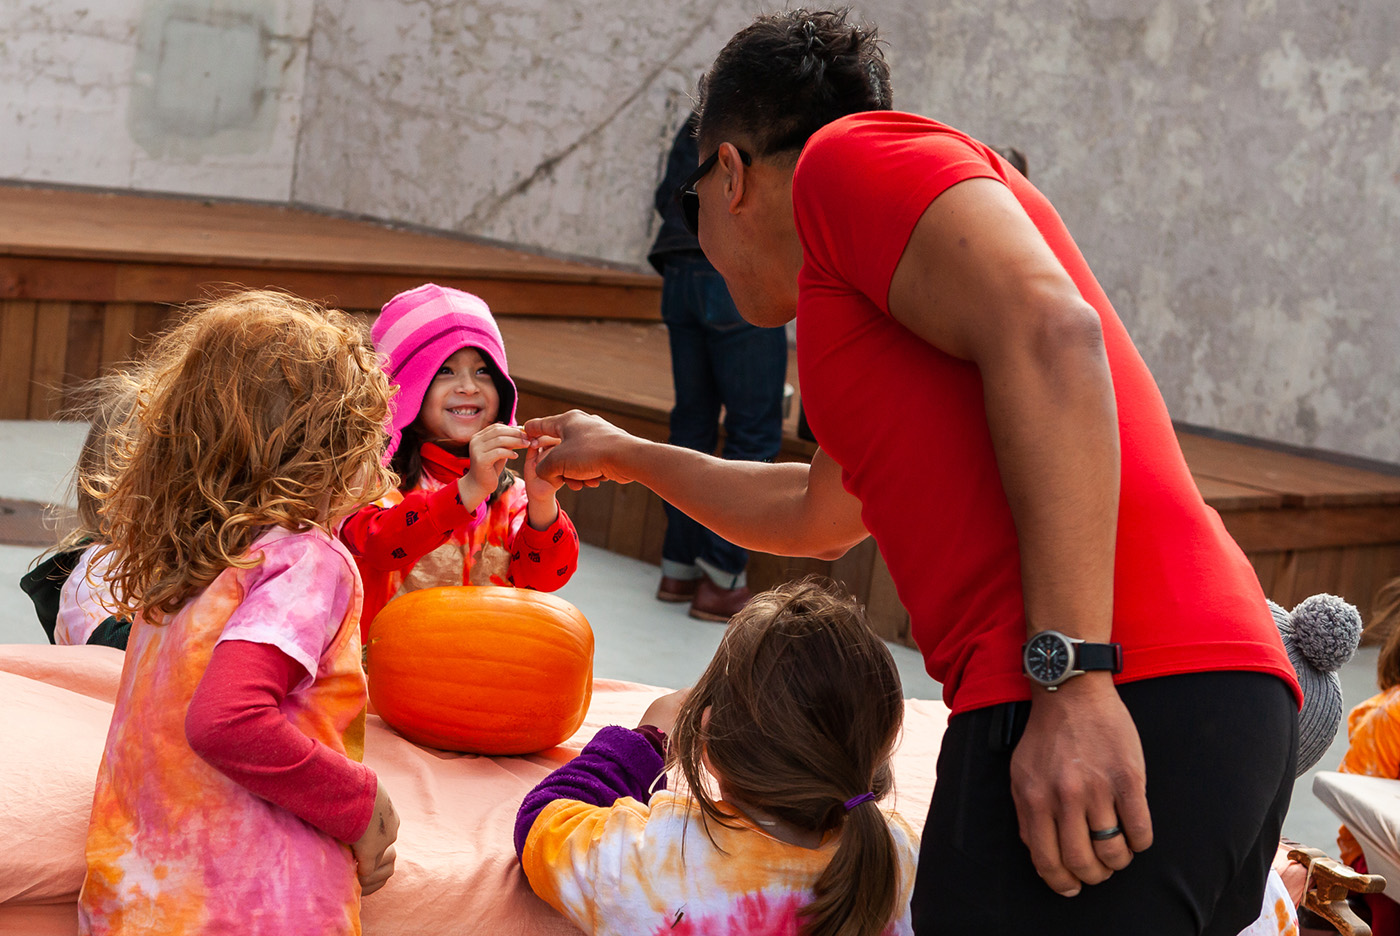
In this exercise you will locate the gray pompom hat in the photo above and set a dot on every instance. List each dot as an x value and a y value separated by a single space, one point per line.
1320 634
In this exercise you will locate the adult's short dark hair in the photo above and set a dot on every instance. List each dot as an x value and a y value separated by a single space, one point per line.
786 75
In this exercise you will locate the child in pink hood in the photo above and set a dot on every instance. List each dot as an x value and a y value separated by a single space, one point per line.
459 517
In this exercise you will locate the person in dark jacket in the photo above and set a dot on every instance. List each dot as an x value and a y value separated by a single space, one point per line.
718 360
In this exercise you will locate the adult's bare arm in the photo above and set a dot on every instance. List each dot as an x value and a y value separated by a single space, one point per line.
978 281
788 508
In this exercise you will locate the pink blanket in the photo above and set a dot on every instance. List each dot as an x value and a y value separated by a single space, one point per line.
456 869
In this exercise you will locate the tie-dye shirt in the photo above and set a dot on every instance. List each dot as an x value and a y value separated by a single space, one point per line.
173 845
82 602
643 865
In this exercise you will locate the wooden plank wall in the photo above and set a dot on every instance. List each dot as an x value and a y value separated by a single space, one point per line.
628 519
1357 573
48 348
1307 525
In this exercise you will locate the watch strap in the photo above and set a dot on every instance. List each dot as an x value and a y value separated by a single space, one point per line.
1099 656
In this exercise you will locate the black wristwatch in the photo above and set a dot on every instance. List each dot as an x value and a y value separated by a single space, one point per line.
1050 658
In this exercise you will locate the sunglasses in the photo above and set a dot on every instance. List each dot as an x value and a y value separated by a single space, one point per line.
690 199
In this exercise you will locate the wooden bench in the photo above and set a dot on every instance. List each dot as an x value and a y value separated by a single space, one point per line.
86 276
1307 525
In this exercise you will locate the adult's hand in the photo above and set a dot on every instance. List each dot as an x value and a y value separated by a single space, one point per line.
1079 767
785 508
586 452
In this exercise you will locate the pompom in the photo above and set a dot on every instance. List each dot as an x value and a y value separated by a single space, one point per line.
1326 630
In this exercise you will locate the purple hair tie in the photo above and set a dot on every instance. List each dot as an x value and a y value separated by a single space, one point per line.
855 801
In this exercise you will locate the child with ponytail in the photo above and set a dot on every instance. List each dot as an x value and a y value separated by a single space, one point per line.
784 745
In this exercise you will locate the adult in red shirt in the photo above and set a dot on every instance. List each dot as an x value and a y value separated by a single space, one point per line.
982 412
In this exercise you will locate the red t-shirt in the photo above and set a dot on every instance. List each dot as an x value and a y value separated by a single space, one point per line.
908 427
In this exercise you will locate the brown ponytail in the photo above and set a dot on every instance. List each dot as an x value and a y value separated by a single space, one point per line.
805 705
856 893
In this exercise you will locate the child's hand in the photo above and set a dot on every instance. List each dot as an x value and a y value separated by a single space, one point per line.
535 486
489 450
374 852
662 713
542 506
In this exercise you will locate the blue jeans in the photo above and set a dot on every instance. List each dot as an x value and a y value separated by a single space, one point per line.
717 359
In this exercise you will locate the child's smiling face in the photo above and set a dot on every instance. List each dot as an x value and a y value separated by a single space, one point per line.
461 400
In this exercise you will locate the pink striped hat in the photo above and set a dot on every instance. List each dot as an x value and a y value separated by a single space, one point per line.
420 329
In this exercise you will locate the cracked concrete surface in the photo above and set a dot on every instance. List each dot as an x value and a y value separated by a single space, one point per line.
483 216
536 122
105 93
1230 169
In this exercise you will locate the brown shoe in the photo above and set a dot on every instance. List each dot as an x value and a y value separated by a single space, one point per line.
712 603
677 590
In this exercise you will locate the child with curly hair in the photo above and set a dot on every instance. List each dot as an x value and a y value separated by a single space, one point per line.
459 516
231 797
795 720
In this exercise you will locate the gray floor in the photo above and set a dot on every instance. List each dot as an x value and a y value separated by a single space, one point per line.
638 638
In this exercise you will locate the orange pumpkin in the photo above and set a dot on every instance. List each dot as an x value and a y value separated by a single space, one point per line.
481 668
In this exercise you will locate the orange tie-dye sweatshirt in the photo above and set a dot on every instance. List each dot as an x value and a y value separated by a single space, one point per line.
1373 730
634 863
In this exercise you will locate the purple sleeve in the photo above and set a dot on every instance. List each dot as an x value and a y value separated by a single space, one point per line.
618 762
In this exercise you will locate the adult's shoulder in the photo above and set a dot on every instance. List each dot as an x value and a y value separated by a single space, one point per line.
873 136
888 159
863 182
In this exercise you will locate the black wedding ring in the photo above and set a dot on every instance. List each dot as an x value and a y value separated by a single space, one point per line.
1103 835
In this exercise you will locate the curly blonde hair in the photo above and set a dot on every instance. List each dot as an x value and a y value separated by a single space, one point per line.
257 409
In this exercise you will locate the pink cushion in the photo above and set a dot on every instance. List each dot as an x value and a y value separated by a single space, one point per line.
455 858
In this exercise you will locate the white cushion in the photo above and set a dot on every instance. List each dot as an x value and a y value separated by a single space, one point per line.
1370 807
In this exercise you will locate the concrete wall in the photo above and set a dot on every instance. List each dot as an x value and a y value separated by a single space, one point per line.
531 121
1231 168
167 95
1232 172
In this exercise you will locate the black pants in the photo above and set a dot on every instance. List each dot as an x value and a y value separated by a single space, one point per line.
1220 750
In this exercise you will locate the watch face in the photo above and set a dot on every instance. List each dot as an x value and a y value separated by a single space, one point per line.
1047 658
